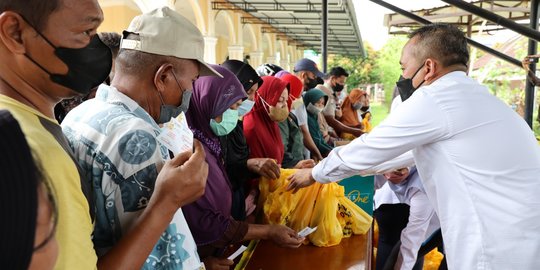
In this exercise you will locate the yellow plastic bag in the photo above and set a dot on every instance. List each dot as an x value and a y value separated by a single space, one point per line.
352 218
329 231
322 206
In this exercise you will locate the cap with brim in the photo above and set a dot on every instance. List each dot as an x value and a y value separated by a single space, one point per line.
163 31
308 65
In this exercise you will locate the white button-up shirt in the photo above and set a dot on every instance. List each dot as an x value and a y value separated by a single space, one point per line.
479 163
422 218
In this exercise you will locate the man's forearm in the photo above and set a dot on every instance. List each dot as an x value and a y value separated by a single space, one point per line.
308 141
338 126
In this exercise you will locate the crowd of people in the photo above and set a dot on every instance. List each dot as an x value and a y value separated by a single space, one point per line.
89 185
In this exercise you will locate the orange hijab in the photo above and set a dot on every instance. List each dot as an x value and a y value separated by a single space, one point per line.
349 115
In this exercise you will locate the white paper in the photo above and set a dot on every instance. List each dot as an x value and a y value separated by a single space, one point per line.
306 231
237 253
176 135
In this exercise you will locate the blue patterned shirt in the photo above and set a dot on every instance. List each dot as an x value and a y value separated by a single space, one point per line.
114 141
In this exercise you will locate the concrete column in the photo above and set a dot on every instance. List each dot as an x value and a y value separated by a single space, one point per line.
271 59
256 58
210 49
284 62
236 52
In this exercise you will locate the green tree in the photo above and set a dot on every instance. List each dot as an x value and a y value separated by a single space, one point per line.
387 65
361 70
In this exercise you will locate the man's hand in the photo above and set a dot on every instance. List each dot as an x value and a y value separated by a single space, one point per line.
265 167
300 179
182 180
357 132
213 263
284 236
530 75
397 176
304 164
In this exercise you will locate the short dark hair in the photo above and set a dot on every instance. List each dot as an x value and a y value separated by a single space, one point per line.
112 40
338 72
443 42
36 12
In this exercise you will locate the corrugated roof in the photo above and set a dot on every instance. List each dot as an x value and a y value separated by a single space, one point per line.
516 10
299 21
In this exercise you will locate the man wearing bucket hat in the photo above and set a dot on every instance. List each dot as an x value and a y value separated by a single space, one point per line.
114 137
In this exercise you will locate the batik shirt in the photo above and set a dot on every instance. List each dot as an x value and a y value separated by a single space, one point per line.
114 141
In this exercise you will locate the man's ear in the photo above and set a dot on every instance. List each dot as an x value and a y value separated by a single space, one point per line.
432 69
162 77
11 28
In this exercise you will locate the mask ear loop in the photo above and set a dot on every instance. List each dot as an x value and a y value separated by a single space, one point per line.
293 99
264 103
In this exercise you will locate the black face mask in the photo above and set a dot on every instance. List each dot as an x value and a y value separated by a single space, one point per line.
88 67
311 83
338 87
405 86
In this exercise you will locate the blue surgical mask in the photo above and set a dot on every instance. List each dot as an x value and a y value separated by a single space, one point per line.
169 111
227 124
246 107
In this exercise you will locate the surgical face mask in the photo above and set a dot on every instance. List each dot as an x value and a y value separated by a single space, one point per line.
338 87
246 107
275 114
88 67
227 124
314 109
297 102
169 111
405 86
357 106
311 83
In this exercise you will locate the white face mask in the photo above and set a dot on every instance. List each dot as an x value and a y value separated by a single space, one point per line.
314 109
246 107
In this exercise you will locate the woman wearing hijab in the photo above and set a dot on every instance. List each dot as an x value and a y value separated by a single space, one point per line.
352 103
291 136
315 101
260 125
213 111
26 204
240 169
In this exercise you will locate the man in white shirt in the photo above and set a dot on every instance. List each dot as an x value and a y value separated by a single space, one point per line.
478 160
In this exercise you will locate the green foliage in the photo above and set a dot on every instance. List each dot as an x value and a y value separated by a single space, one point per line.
378 113
360 69
387 65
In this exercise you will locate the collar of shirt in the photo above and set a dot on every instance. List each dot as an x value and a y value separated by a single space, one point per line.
111 95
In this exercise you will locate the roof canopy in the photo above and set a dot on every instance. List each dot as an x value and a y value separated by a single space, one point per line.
299 22
511 9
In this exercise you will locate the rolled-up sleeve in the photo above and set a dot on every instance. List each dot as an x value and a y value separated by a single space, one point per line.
414 123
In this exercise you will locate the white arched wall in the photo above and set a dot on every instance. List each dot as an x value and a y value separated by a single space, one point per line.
148 5
270 48
225 34
291 49
199 16
252 45
283 54
118 14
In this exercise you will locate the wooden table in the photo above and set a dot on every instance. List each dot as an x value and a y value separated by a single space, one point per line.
352 253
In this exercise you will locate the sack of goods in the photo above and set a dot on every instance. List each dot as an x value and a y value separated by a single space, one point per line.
322 206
